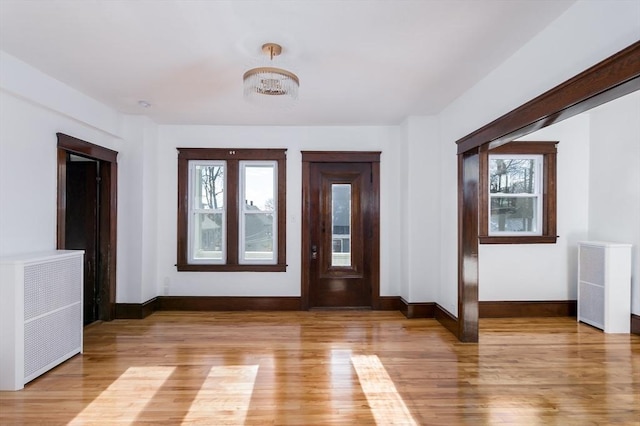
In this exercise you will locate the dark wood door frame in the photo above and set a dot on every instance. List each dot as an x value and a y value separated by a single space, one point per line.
309 157
108 213
610 79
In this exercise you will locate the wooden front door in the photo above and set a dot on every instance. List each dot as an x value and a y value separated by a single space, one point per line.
341 236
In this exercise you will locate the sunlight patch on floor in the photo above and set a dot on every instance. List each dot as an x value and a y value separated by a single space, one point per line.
115 403
224 397
385 402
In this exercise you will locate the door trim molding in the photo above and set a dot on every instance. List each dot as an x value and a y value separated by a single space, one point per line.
309 157
107 249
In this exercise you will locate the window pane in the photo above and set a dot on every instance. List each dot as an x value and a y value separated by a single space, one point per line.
341 224
208 241
512 175
513 214
209 187
259 187
258 236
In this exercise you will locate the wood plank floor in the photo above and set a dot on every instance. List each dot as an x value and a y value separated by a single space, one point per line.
335 367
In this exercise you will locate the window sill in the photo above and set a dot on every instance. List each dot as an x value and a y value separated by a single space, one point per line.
231 268
538 239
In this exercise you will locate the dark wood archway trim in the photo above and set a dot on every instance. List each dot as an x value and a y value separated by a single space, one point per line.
610 79
309 157
108 211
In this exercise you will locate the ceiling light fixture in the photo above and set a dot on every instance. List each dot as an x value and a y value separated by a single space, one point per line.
270 84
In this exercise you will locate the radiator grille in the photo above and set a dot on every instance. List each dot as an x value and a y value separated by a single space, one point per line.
51 337
51 285
591 304
592 264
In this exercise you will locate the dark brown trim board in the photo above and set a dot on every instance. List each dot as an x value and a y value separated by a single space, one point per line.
389 303
108 212
610 79
447 319
214 303
538 309
136 310
468 216
417 310
635 324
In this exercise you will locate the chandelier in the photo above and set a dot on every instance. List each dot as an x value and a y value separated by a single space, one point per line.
271 84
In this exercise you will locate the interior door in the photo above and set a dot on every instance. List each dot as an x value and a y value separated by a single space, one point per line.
341 235
81 231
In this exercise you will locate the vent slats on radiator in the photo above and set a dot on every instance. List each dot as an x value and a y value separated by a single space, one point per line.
50 286
50 338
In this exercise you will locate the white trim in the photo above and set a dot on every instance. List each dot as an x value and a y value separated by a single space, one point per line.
193 211
537 194
242 260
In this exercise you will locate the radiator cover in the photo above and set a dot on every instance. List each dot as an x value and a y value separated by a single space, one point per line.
40 314
604 285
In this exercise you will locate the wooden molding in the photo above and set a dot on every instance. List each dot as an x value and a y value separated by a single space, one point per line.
519 309
447 319
417 310
488 309
136 310
341 156
388 303
609 79
233 206
635 324
108 217
224 303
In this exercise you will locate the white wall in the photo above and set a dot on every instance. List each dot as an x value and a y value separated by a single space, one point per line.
418 237
614 184
294 139
515 271
137 208
34 107
420 224
585 34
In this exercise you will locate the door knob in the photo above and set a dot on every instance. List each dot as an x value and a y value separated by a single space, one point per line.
314 252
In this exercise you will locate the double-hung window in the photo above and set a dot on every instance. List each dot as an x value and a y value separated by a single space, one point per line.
515 194
231 209
518 193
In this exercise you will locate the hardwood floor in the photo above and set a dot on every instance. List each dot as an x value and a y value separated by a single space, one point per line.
335 367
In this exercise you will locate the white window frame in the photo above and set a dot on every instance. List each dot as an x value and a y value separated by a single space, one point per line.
243 212
537 194
193 211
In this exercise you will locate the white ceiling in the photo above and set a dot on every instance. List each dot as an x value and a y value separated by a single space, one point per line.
359 62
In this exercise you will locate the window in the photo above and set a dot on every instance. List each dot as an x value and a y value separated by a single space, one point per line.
518 193
231 209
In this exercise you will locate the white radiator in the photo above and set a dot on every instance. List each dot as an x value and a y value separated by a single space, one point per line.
604 285
40 314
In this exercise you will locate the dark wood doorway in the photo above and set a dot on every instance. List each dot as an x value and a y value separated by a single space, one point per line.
82 230
86 219
340 255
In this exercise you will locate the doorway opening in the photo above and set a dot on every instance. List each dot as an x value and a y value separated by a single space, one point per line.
86 219
340 230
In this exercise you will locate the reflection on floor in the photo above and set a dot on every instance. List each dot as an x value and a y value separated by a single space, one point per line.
335 367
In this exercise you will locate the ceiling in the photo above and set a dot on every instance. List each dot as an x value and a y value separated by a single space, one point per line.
359 62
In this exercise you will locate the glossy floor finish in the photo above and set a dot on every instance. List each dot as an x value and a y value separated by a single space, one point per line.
335 367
